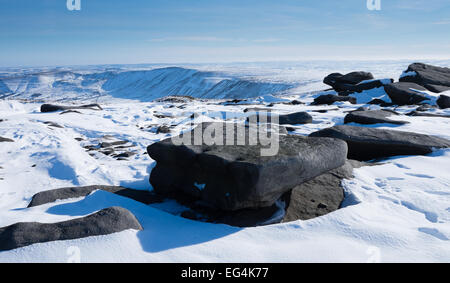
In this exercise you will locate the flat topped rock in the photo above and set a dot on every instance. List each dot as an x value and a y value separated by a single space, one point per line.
427 75
369 143
373 117
106 221
232 177
340 82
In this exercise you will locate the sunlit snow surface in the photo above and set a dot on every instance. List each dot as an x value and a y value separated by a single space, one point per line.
398 211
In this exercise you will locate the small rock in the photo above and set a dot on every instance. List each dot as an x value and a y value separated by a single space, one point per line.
328 99
106 221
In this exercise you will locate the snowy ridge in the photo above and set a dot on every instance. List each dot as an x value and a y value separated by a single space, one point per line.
142 85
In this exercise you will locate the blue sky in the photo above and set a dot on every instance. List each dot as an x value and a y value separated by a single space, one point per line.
45 32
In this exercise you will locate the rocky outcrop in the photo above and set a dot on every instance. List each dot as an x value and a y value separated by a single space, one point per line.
431 77
329 99
106 221
404 93
234 177
340 82
369 143
373 117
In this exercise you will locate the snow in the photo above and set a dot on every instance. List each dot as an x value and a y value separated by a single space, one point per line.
408 74
398 211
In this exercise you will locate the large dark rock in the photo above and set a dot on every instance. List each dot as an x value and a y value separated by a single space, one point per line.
328 99
288 119
53 108
77 192
366 85
369 143
404 93
426 75
372 117
234 177
340 82
443 102
107 221
2 139
319 196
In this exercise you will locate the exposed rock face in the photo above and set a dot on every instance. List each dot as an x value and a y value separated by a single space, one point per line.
443 102
369 143
289 119
340 82
234 177
319 196
404 93
437 88
2 139
107 221
427 75
329 99
76 192
372 117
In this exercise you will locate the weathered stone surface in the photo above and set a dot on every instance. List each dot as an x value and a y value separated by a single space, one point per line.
340 82
372 117
319 196
288 119
426 75
106 221
77 192
437 88
443 102
328 99
369 143
235 177
404 93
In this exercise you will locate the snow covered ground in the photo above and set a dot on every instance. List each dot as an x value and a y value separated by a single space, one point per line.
395 212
